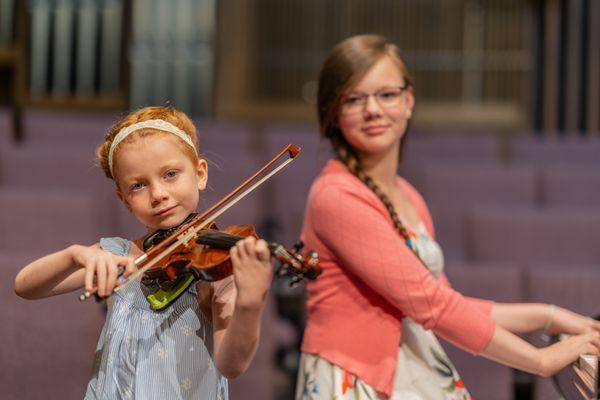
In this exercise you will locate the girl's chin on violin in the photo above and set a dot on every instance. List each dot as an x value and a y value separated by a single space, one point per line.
168 217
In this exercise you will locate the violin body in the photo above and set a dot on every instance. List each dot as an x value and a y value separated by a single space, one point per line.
207 258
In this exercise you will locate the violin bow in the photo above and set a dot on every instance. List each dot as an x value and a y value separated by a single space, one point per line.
191 228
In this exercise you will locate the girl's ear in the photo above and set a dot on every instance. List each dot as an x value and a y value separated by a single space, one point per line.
122 198
410 100
202 173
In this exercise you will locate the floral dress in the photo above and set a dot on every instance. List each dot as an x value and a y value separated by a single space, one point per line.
423 371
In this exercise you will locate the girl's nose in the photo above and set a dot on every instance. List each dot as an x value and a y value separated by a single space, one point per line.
158 193
372 107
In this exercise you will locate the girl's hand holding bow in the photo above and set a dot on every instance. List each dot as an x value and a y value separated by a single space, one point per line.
102 268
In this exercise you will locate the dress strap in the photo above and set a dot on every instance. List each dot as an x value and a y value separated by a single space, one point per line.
116 245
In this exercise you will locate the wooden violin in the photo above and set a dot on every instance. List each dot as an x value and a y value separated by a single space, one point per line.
208 259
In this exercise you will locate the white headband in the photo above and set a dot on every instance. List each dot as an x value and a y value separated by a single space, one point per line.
158 124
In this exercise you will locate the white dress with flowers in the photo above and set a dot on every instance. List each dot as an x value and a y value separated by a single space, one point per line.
423 371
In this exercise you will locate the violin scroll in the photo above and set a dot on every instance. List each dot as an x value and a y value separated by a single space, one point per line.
294 263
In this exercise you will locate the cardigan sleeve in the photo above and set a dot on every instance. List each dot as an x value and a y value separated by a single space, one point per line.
358 232
485 306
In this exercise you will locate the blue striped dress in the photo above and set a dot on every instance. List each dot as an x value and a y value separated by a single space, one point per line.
144 354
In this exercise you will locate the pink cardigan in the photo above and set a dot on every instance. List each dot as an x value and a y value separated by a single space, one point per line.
371 280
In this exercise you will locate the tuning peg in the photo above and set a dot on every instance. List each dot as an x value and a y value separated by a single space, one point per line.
298 246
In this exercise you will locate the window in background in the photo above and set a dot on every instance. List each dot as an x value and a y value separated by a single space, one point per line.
172 54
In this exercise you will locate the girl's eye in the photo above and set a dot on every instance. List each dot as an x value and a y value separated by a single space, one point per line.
389 95
353 100
171 174
136 186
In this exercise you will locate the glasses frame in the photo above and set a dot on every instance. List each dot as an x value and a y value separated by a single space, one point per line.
364 99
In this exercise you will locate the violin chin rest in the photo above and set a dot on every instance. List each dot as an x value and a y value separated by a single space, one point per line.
161 299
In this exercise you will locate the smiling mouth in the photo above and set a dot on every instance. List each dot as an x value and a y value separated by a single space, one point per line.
375 129
163 212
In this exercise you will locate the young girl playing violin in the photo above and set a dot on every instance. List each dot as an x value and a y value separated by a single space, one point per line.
373 312
212 331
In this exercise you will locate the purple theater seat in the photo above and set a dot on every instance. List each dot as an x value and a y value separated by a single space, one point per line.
30 166
47 345
46 220
554 150
564 235
568 285
425 149
499 282
571 185
79 131
451 189
314 150
230 152
64 169
532 236
288 190
452 147
220 142
495 234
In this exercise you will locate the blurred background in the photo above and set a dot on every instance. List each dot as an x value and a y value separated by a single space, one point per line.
504 146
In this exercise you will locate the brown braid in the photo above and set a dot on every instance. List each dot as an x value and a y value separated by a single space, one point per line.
347 155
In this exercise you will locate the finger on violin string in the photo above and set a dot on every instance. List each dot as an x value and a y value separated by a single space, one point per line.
249 244
240 246
234 254
262 250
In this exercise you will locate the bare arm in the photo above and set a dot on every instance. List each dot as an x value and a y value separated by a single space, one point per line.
70 269
530 317
521 317
236 316
508 349
50 275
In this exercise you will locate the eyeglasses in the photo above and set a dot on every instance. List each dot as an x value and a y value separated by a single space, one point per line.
386 98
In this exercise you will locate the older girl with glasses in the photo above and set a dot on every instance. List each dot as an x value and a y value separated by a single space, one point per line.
382 299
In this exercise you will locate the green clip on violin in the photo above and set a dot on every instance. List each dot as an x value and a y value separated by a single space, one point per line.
176 258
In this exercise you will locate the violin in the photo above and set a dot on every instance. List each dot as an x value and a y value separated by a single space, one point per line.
173 259
208 259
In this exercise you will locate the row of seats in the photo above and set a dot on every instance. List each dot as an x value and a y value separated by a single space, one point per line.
475 218
451 191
